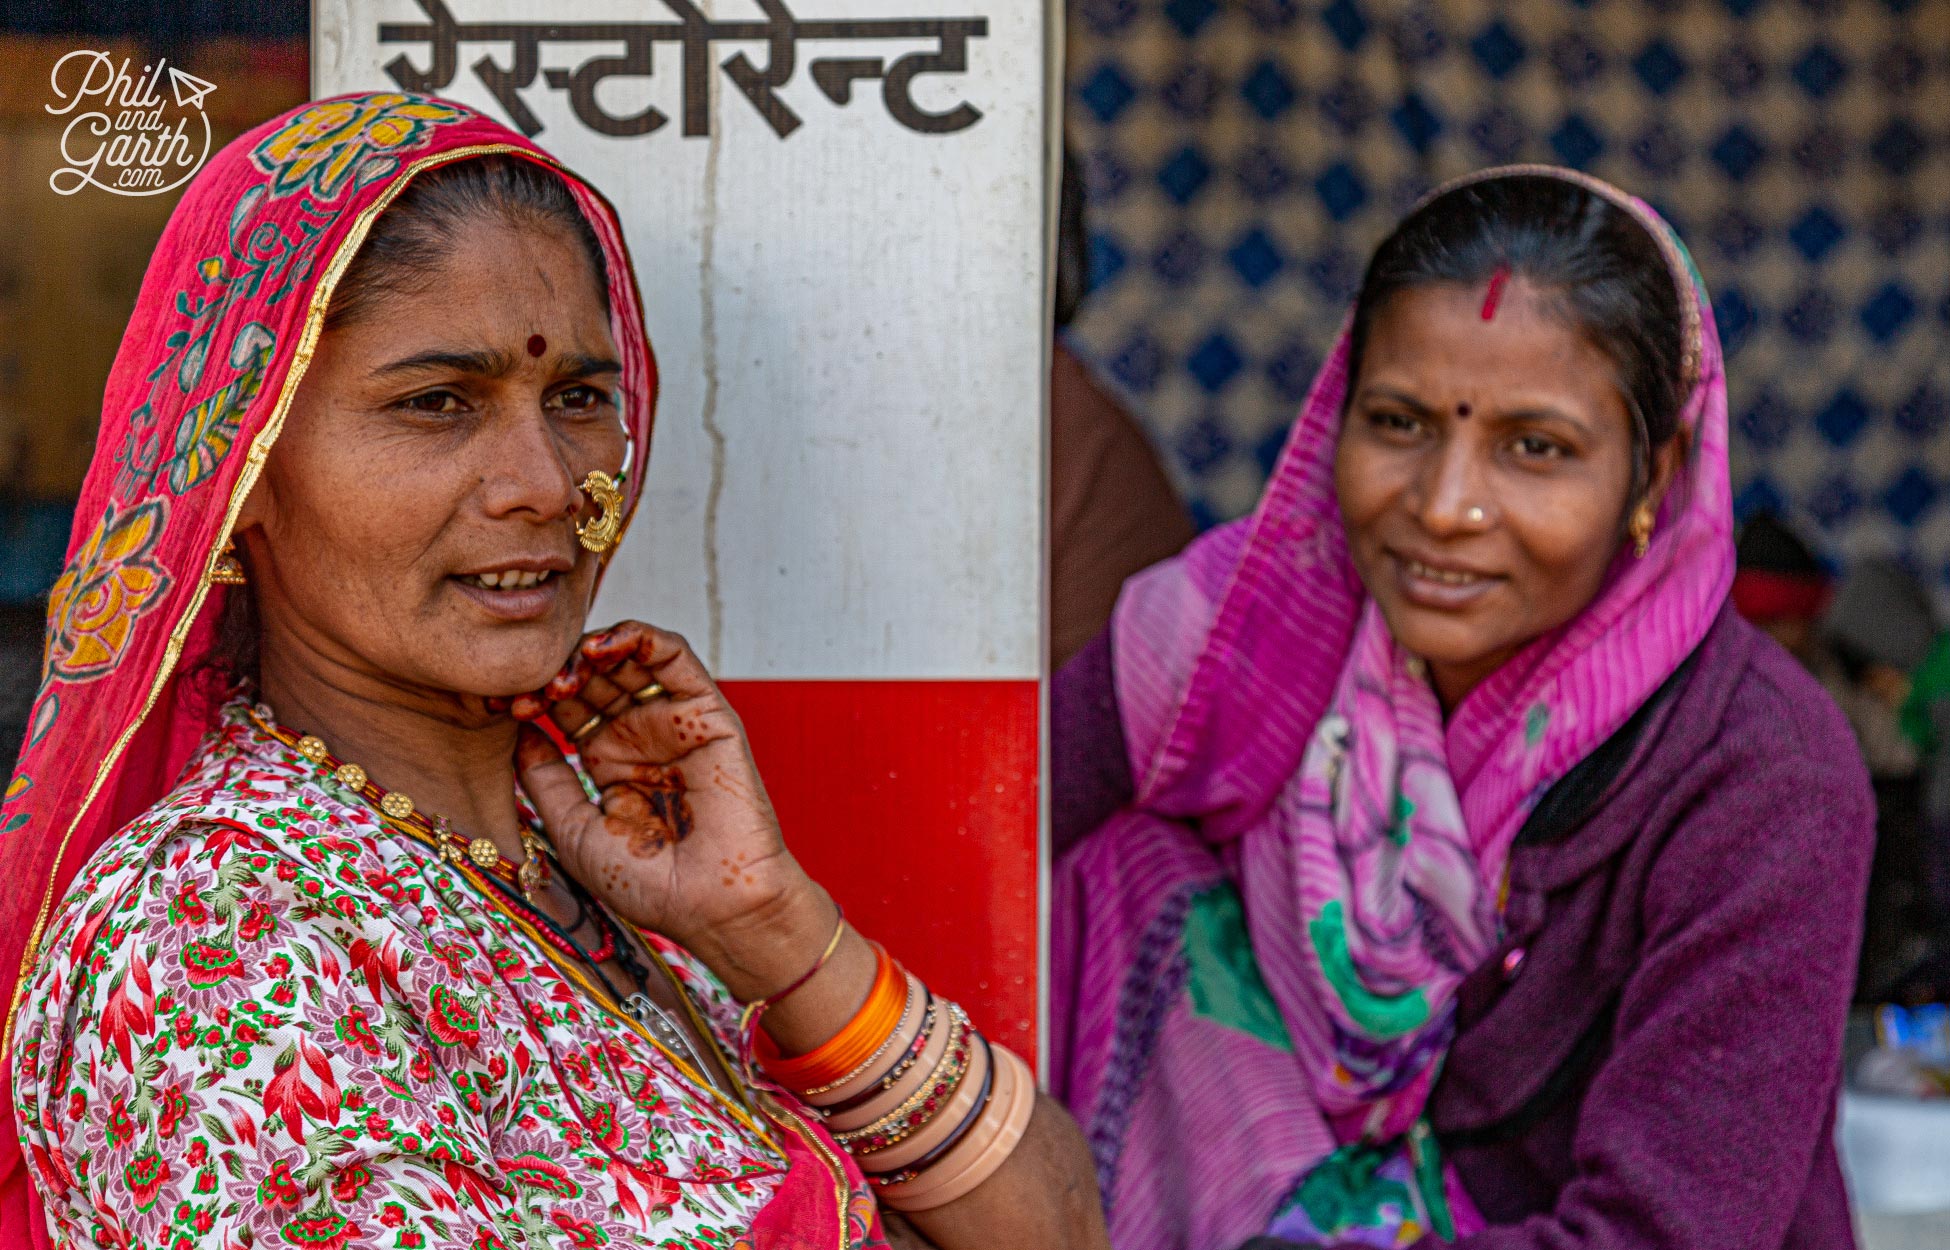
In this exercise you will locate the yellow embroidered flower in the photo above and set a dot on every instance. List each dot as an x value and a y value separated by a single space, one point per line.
15 821
108 585
338 142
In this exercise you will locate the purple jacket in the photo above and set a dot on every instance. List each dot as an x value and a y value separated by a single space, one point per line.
1652 1058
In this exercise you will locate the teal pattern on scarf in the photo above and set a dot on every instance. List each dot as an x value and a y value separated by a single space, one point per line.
1380 1015
1223 978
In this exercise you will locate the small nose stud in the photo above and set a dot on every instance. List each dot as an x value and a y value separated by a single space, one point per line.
1474 516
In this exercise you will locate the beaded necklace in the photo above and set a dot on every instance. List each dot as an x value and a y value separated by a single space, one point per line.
483 854
528 877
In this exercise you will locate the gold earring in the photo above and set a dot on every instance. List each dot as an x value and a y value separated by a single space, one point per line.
1641 530
601 534
228 570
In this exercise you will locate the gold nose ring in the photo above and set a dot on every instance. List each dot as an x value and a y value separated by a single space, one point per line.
600 534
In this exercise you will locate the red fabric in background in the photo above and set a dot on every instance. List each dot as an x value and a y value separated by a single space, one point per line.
1763 597
914 802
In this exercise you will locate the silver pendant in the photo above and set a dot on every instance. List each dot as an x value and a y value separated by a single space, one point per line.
664 1029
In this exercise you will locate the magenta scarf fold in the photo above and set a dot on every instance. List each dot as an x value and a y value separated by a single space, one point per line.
1281 741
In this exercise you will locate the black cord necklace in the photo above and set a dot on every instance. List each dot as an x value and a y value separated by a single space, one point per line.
639 1006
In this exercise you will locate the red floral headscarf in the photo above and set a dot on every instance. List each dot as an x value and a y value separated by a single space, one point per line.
229 316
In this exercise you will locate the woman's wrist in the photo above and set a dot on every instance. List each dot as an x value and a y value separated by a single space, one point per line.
772 948
765 946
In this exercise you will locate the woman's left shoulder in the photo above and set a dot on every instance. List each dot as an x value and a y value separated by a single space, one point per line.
1771 715
1759 763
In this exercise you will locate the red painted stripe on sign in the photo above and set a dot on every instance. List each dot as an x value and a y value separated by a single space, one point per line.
914 802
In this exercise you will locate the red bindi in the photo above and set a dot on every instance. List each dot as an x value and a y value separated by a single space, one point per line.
1494 295
537 344
1463 411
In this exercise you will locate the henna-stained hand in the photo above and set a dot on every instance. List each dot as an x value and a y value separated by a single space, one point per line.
682 838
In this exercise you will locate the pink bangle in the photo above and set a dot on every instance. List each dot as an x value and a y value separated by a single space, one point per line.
920 1074
967 1094
974 1161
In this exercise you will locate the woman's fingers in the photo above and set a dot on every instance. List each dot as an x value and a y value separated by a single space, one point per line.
577 720
608 647
606 677
664 656
568 683
606 696
633 679
550 784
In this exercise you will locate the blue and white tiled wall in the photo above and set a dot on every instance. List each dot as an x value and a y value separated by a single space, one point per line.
1242 158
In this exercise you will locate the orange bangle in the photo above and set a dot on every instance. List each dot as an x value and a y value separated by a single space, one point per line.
869 1028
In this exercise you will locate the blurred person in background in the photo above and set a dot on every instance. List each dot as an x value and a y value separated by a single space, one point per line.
1112 510
1779 584
1870 642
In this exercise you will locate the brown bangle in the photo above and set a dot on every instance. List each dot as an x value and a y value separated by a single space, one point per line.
1015 1094
969 1095
909 1169
936 1153
903 1121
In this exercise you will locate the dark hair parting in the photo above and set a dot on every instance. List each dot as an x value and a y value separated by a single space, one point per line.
420 229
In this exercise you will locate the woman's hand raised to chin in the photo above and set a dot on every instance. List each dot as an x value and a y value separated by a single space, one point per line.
682 839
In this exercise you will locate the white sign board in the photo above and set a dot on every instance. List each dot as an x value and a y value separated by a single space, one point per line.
840 235
838 212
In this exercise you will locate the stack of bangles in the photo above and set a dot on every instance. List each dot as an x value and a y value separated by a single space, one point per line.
928 1106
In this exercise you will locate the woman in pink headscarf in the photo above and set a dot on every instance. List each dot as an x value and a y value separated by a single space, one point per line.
322 939
1444 858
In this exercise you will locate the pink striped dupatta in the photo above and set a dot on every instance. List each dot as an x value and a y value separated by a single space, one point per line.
1254 965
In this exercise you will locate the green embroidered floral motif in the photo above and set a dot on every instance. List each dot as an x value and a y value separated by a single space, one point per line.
1379 1015
1222 975
206 432
210 964
451 1020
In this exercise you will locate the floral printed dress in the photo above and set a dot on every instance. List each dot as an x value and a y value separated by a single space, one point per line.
264 1018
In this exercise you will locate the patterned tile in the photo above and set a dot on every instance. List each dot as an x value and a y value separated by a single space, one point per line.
1242 159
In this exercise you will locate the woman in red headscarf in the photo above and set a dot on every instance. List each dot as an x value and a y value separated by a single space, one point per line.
322 939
